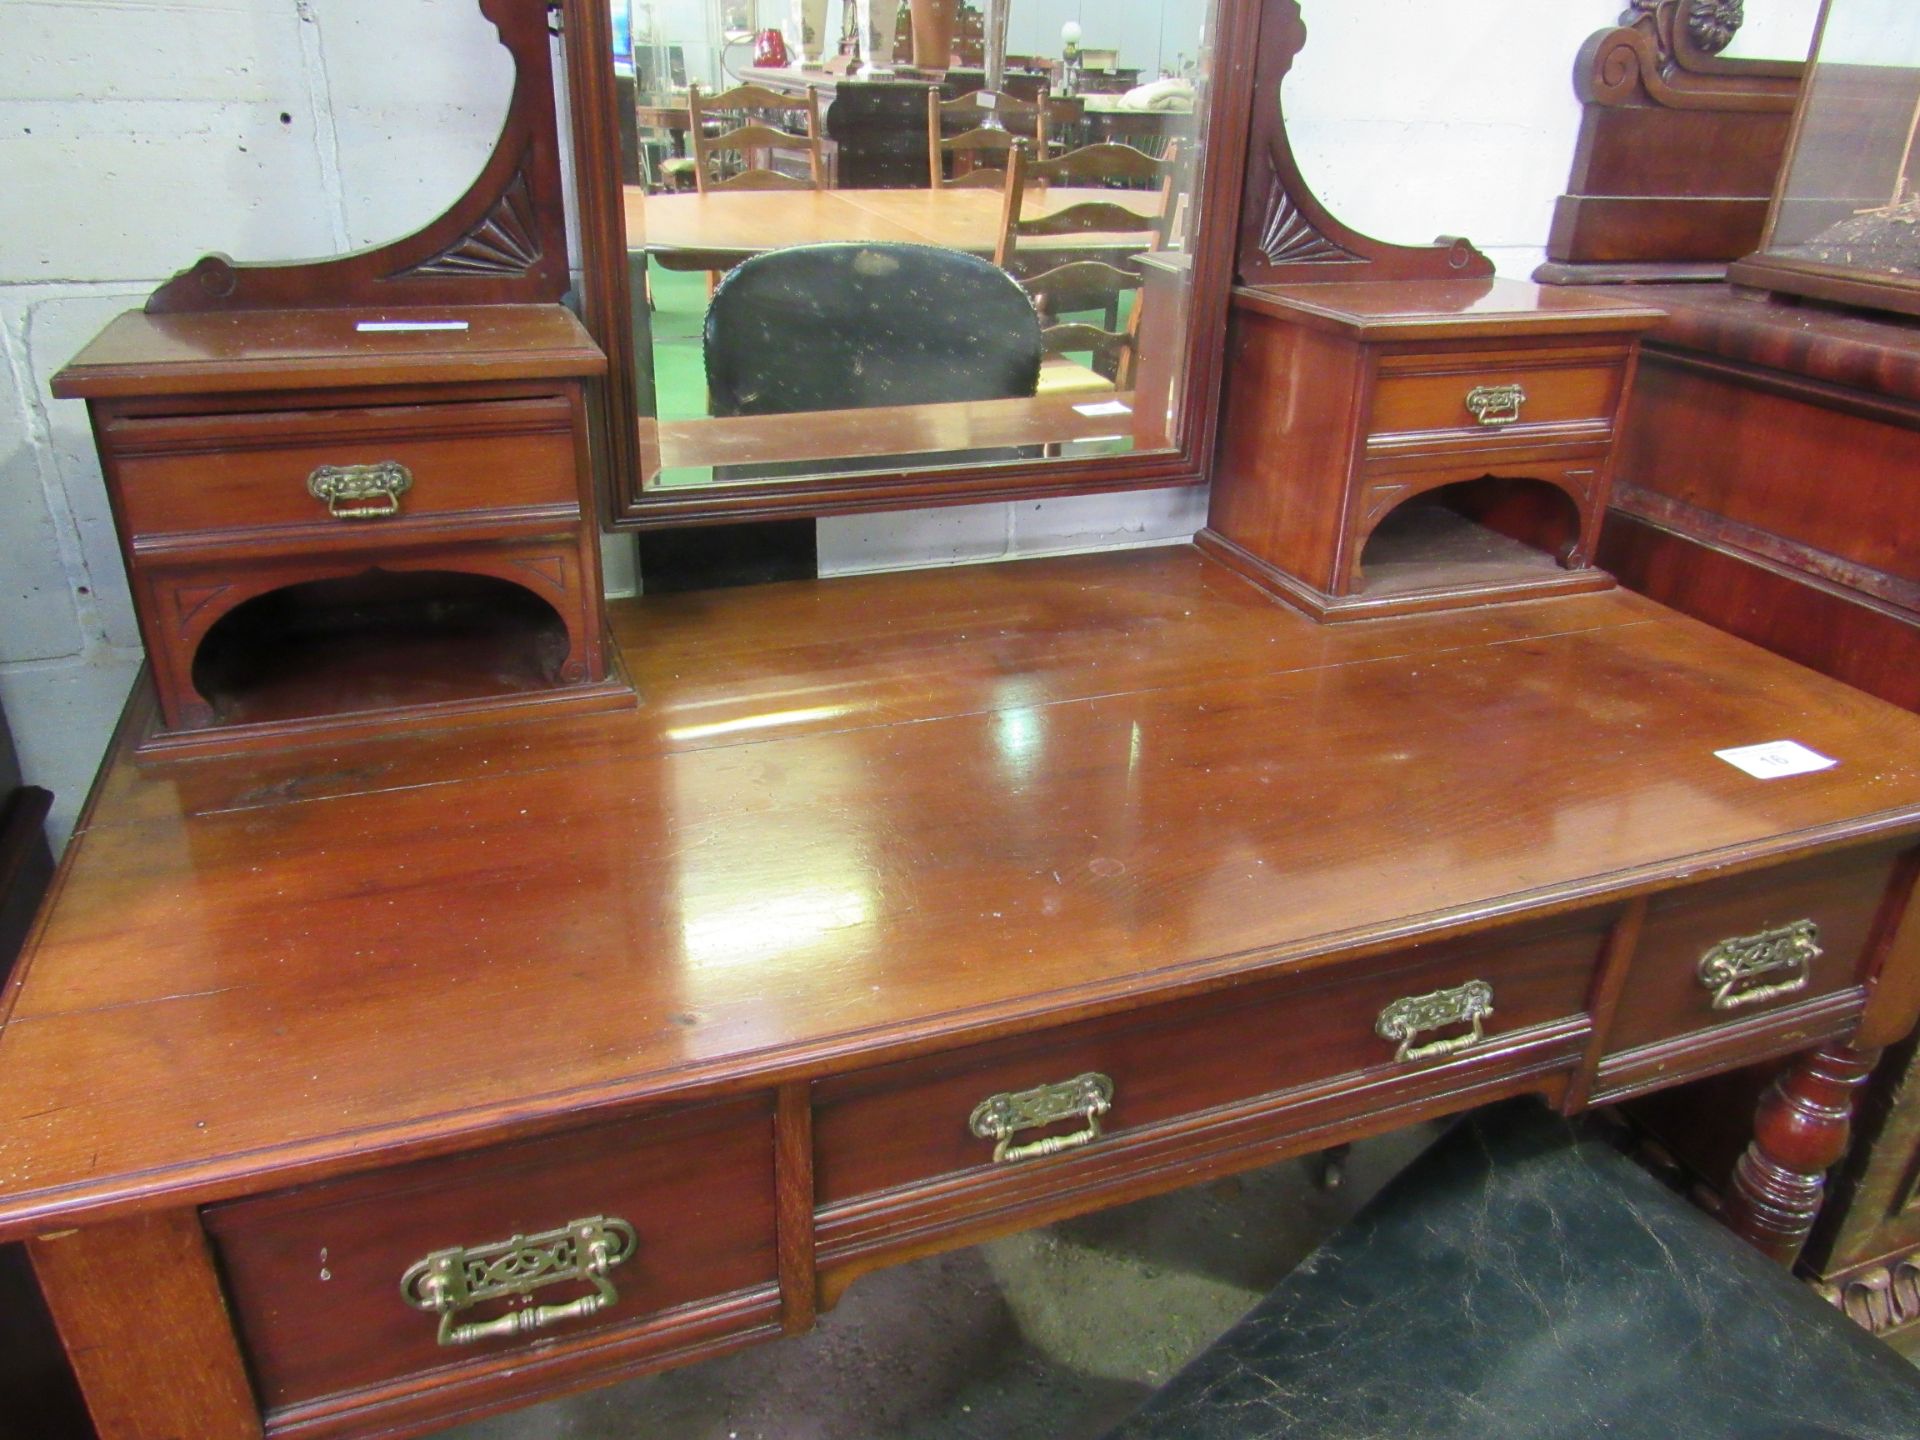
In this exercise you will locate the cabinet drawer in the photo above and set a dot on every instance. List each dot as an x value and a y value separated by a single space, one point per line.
314 1276
910 1122
1518 393
199 474
1733 949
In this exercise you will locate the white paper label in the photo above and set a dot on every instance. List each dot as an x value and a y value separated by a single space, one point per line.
1105 407
387 327
1775 759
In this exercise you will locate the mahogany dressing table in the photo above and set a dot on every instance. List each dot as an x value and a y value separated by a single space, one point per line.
354 1087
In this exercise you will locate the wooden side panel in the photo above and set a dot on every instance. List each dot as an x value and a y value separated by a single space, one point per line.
1801 617
140 1311
1292 401
1749 458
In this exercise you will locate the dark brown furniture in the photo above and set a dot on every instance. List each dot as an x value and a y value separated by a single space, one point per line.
330 527
1678 148
1402 445
878 127
1765 484
686 1016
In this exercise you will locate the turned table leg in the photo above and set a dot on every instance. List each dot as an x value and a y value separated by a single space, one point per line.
1800 1130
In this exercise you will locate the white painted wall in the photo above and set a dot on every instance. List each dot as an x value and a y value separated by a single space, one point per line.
137 134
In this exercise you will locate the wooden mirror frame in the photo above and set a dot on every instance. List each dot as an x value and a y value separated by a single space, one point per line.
625 458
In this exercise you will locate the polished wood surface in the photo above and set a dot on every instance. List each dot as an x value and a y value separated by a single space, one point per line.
136 1390
873 850
1765 485
750 694
883 430
1349 403
147 355
692 232
212 430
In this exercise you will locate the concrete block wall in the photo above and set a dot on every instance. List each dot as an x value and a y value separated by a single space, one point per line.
136 135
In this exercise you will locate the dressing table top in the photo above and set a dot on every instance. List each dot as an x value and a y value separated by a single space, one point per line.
853 817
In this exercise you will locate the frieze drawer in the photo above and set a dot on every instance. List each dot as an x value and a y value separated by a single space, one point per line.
351 1286
368 471
1076 1090
1732 950
1479 396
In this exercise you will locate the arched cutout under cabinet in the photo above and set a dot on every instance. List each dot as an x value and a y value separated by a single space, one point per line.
1471 533
360 642
1348 399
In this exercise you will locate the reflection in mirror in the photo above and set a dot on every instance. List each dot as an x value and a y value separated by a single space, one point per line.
1008 283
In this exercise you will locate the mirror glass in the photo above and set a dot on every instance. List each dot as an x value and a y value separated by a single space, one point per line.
975 310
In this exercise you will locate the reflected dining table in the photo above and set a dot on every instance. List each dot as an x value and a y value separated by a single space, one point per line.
719 229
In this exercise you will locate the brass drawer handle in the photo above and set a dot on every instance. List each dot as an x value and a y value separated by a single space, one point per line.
1000 1117
1735 970
1496 404
449 1281
361 492
1467 1004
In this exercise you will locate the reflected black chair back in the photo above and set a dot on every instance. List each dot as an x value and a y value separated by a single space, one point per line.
843 327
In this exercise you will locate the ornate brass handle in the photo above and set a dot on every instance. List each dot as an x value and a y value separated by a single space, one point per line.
1000 1117
1467 1004
449 1281
361 492
1496 404
1734 970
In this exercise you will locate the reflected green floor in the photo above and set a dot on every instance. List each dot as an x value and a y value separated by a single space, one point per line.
679 312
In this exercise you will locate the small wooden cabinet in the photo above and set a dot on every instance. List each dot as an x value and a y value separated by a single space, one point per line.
335 518
1391 446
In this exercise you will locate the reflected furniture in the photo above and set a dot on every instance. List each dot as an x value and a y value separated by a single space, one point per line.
1523 1279
849 328
1057 251
877 126
910 910
740 118
986 126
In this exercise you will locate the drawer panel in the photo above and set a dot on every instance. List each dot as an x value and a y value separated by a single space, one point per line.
251 471
1666 995
908 1122
1428 395
314 1275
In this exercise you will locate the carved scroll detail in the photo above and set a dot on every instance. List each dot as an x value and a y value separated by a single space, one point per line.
1711 24
1288 237
506 242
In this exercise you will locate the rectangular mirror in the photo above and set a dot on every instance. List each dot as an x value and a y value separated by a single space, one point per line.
830 278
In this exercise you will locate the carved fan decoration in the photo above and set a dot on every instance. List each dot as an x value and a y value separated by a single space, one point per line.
1286 234
503 242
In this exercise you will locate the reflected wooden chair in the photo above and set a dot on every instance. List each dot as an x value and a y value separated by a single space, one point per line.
974 133
1063 280
741 124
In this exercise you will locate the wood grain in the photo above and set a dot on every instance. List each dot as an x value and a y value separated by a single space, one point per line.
136 1389
836 789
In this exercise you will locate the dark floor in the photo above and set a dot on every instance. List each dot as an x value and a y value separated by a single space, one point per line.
1053 1335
